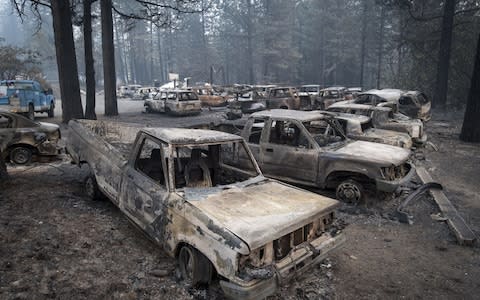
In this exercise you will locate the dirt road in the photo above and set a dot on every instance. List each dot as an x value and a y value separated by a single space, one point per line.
57 244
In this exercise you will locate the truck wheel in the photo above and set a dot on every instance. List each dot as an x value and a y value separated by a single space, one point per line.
51 111
31 112
194 267
350 191
148 109
91 188
21 155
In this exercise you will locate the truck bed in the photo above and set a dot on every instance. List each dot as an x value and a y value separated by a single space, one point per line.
117 137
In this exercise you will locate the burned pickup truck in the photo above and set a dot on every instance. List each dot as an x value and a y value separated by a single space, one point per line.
310 148
185 190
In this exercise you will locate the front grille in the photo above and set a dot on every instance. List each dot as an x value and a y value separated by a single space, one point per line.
397 172
286 243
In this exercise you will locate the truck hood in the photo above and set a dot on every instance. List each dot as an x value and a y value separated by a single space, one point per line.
48 127
265 211
382 154
390 137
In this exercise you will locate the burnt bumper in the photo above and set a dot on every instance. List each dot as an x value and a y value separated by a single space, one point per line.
300 259
391 186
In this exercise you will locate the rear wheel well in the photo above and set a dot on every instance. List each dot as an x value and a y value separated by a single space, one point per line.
336 177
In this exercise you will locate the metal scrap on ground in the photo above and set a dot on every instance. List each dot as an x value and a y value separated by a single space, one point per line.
462 231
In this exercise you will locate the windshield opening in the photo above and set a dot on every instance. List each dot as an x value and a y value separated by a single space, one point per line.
212 165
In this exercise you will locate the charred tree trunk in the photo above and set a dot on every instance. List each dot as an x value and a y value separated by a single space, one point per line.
471 122
89 62
441 85
109 75
66 61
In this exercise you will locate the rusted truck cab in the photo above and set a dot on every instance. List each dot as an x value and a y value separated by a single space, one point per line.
201 196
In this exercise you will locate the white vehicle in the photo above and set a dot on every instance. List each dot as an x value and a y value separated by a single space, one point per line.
127 91
144 92
176 102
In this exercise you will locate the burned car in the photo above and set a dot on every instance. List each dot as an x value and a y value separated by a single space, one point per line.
184 188
413 104
209 97
283 98
358 127
245 101
385 118
28 138
330 95
310 149
174 102
310 92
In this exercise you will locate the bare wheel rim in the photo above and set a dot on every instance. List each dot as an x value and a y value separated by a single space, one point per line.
21 156
186 263
349 191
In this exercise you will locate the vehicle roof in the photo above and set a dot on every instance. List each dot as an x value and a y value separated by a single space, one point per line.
19 81
299 115
334 88
388 94
185 136
178 91
359 106
282 87
359 118
310 85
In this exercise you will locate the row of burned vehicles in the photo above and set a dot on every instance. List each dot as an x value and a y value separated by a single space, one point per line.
226 200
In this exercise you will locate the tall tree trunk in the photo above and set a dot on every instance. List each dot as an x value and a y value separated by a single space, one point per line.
109 75
160 57
66 61
380 46
89 63
363 42
251 77
471 122
119 43
441 85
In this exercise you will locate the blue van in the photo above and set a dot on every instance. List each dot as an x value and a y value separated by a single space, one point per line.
26 97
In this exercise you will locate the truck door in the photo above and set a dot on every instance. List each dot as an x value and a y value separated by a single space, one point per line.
144 188
252 134
159 104
287 152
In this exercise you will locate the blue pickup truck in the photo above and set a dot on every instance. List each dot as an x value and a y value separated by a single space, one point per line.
26 97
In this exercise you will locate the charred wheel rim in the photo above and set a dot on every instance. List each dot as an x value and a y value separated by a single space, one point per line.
349 191
21 155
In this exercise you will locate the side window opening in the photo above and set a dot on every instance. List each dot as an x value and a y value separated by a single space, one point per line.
212 165
405 100
5 122
256 131
289 134
149 161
